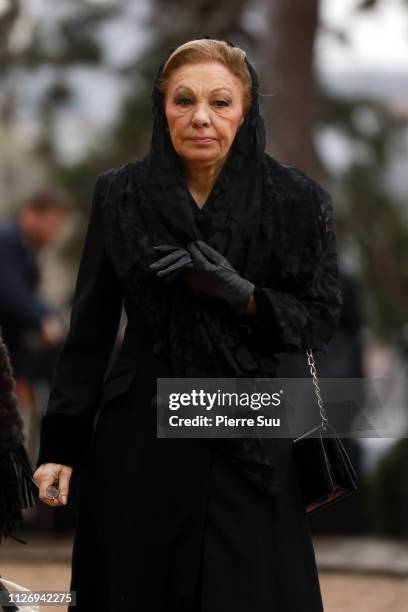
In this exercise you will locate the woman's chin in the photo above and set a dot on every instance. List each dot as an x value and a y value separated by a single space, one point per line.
197 156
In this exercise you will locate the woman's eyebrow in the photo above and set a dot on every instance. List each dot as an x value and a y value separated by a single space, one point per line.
221 89
187 88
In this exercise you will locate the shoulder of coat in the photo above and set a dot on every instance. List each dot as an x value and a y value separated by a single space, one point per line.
115 181
8 232
116 174
294 180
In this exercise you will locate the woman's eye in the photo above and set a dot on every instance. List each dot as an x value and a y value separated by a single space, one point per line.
186 101
182 101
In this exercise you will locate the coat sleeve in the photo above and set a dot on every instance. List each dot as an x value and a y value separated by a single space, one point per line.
306 313
67 425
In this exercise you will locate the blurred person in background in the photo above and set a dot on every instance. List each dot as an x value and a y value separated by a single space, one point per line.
17 490
37 224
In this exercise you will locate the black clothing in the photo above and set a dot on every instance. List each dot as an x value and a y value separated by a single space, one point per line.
17 491
20 309
151 511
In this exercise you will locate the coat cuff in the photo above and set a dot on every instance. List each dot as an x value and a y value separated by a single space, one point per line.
263 322
64 439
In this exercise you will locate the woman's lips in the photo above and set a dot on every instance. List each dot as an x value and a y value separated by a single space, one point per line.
202 140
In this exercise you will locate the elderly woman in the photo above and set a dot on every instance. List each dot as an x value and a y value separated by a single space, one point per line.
222 258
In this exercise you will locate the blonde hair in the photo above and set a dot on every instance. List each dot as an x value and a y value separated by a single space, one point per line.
209 50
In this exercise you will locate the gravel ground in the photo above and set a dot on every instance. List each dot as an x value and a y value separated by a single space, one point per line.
341 592
356 574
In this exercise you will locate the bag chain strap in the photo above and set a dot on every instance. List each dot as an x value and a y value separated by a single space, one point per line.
313 372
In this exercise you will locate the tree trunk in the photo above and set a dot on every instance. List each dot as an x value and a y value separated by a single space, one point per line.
290 113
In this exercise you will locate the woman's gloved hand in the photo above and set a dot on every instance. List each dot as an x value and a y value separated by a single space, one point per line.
206 271
171 265
212 275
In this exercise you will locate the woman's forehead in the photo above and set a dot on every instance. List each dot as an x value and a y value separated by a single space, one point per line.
204 75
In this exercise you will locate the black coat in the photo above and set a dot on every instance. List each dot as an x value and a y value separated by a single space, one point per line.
17 491
164 524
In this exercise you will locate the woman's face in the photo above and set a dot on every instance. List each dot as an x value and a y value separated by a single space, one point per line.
203 101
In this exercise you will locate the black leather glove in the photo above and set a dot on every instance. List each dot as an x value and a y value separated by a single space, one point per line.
171 265
213 276
207 272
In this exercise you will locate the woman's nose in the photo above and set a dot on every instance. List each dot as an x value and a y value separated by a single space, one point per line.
201 116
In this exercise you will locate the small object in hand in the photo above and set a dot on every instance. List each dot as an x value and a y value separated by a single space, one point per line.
53 491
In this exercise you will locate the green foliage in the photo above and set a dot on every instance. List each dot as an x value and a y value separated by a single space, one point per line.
387 493
375 219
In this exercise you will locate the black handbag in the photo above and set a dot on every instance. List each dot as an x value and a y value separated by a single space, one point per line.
325 470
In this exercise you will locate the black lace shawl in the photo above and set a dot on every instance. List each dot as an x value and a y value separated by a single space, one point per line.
274 225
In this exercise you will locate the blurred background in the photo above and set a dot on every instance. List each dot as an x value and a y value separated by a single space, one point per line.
75 83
